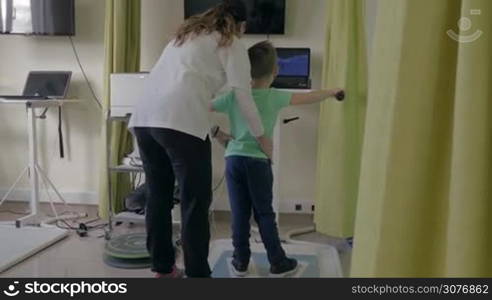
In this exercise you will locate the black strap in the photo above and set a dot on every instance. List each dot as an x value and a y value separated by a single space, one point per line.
60 132
286 121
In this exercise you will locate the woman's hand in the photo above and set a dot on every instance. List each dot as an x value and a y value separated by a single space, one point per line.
266 145
223 138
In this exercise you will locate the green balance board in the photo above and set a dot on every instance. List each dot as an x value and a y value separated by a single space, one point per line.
128 246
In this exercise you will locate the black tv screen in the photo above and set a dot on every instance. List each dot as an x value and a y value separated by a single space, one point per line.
264 16
37 17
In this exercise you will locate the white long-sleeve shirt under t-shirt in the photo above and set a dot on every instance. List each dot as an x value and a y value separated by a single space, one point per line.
186 78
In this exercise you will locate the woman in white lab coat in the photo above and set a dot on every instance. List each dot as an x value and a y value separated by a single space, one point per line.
171 124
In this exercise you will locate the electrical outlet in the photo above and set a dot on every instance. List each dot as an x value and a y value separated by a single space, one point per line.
298 207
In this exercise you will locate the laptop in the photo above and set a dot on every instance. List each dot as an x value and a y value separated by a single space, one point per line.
294 68
42 85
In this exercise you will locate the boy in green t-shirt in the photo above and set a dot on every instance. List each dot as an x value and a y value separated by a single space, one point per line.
248 170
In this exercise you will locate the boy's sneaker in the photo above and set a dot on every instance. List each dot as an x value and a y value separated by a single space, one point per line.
285 268
239 269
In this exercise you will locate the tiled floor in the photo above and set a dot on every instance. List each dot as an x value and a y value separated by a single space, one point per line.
82 257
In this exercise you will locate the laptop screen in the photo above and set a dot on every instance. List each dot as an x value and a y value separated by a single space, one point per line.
294 62
47 84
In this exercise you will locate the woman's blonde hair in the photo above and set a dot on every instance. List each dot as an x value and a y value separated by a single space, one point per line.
225 18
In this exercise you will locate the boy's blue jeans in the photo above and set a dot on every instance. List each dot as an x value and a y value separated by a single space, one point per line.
250 183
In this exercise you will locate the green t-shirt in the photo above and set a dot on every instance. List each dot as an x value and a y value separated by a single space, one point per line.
269 103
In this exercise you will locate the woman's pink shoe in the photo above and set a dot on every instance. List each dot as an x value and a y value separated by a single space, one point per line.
175 274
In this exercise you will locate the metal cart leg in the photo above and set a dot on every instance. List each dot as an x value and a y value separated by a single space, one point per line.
109 231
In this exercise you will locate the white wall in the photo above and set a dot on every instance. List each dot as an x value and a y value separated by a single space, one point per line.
76 175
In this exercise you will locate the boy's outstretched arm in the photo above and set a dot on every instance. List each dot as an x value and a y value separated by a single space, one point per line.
313 97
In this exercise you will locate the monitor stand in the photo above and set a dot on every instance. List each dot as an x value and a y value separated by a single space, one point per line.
35 173
282 82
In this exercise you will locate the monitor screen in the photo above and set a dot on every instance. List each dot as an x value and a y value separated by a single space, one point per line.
37 17
264 16
48 84
294 62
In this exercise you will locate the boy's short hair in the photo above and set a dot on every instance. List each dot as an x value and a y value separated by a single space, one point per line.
263 58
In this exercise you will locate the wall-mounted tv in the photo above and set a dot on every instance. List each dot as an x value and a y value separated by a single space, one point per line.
264 16
37 17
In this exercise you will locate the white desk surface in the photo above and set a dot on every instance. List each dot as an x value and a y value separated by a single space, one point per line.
40 103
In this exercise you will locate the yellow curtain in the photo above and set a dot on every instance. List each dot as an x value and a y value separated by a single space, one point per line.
425 196
341 125
122 43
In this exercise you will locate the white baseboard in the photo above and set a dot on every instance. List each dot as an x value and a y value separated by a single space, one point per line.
80 198
287 206
91 198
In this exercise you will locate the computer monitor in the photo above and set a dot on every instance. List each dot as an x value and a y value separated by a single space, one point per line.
294 68
52 84
294 61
